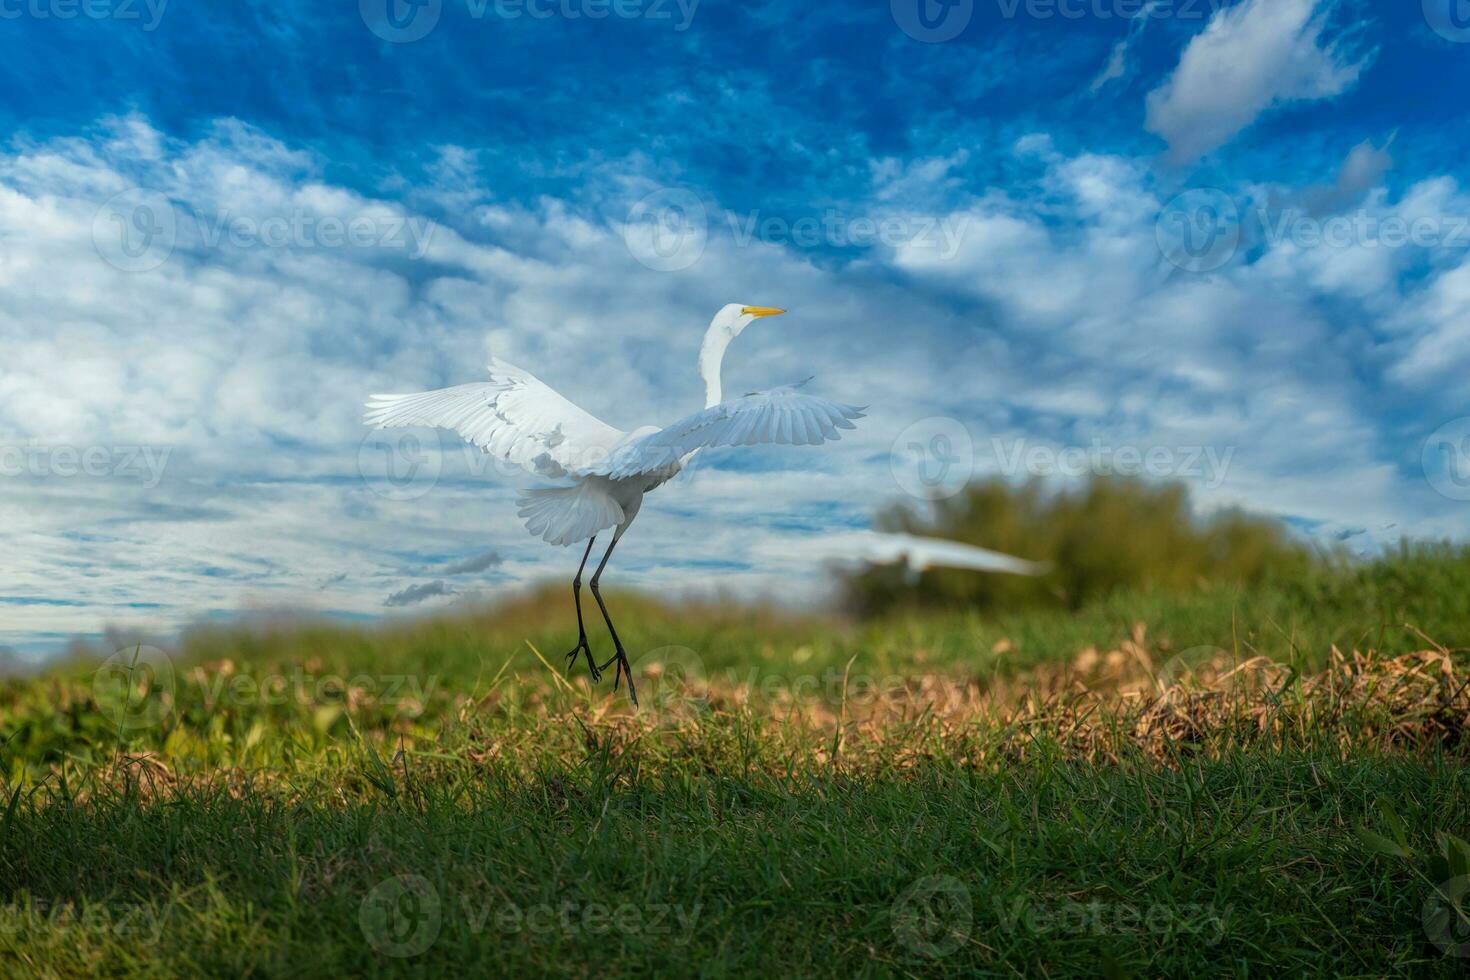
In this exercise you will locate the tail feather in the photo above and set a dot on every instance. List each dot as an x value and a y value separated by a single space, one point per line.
564 515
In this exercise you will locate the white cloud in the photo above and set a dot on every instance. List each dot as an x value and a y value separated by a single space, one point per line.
1117 65
1250 58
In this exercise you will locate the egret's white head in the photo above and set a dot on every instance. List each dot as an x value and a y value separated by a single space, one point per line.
725 327
735 317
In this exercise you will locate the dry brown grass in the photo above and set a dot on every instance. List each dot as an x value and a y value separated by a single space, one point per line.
1101 707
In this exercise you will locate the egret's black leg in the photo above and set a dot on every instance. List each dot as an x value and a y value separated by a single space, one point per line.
582 646
621 658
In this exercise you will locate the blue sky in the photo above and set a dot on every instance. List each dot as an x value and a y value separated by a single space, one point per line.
1227 239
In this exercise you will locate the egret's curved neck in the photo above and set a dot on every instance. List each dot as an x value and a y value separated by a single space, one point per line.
711 354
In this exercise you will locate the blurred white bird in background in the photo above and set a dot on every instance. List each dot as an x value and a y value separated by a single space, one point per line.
517 418
919 554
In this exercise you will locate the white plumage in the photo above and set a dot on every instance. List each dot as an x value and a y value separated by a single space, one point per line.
563 515
783 416
514 416
517 418
920 554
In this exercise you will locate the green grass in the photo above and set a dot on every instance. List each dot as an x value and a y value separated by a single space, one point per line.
429 799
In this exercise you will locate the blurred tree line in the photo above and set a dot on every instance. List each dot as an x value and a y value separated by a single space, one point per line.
1111 534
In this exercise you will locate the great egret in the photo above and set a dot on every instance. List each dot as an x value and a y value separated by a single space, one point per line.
518 418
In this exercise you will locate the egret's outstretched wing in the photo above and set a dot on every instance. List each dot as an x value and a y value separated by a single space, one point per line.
513 416
782 416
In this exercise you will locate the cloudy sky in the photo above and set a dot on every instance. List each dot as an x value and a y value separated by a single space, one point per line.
1219 242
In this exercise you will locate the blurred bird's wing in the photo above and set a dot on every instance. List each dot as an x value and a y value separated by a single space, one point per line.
782 416
514 416
926 553
876 547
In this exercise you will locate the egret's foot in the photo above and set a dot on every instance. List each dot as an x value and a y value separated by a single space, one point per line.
624 669
582 647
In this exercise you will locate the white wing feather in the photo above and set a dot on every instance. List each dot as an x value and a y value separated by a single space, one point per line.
514 416
919 553
565 515
782 416
922 554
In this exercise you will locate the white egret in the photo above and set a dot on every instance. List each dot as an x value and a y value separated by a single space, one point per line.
517 418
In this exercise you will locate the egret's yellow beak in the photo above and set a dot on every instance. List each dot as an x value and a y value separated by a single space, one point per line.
761 311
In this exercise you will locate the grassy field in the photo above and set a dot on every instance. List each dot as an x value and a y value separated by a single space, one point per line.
1155 785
